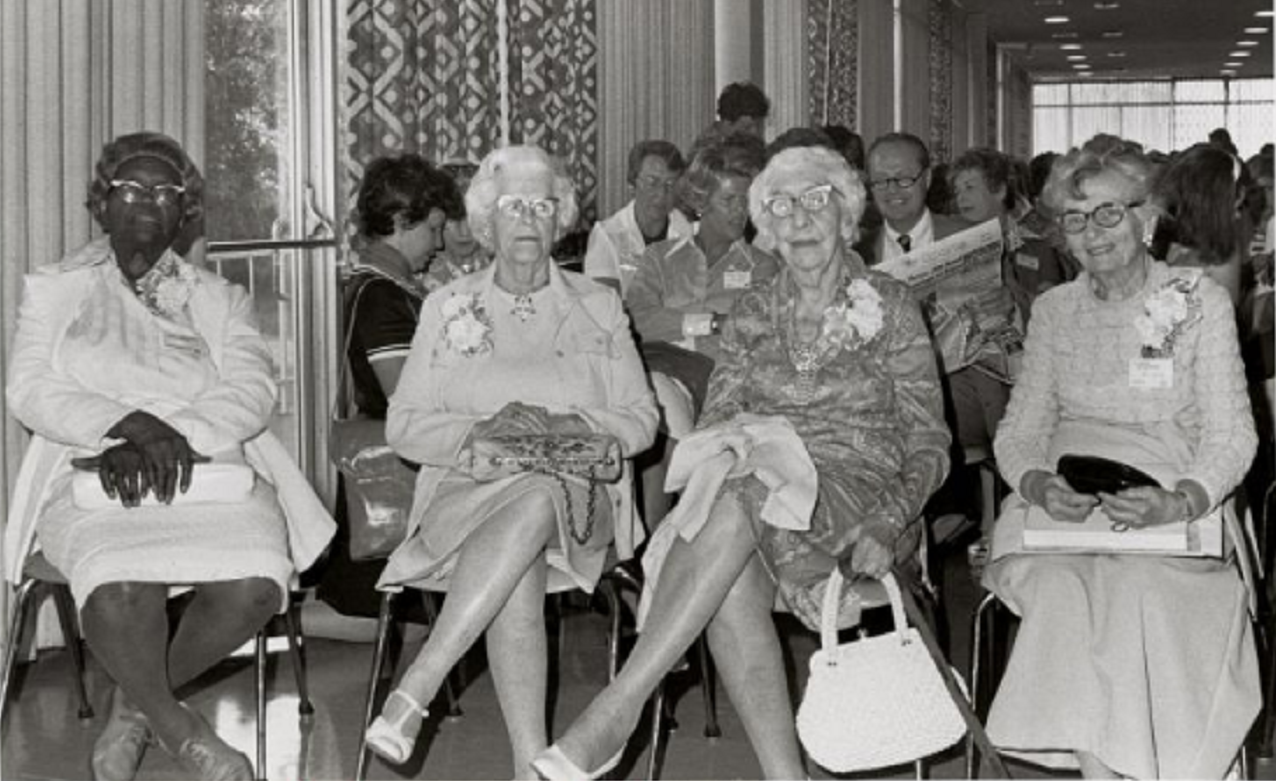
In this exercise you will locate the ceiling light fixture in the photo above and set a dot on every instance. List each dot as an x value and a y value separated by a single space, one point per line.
1239 54
1116 54
1047 3
1247 43
1233 64
1064 36
1070 47
1102 6
1226 72
1081 66
1057 20
1113 34
1256 30
1074 57
1265 13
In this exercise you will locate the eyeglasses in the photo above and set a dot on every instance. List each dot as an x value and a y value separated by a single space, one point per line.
813 200
136 192
517 206
656 183
1105 215
902 182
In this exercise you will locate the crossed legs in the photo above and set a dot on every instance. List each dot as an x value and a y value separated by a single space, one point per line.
126 625
499 586
715 581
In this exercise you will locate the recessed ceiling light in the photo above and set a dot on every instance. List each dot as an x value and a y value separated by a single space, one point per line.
1267 13
1226 72
1113 34
1233 64
1064 36
1075 57
1081 66
1247 43
1057 20
1116 54
1239 54
1102 6
1256 30
1047 3
1069 47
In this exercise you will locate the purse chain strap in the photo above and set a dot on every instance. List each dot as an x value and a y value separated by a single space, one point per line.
581 537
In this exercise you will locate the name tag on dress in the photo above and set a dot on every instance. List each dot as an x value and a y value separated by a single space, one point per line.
737 280
1151 373
191 345
1027 261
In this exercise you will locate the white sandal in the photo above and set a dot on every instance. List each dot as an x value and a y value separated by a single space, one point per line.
387 739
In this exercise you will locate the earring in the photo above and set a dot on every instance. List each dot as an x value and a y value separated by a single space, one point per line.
1149 232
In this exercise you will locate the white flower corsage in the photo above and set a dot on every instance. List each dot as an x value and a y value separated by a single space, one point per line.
855 320
466 325
1167 313
167 287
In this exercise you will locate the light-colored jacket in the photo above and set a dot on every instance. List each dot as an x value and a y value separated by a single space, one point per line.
594 342
65 417
616 245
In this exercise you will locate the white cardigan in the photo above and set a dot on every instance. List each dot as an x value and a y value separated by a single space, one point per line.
65 416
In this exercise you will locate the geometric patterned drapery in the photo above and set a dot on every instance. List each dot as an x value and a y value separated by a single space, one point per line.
424 76
833 61
940 18
553 86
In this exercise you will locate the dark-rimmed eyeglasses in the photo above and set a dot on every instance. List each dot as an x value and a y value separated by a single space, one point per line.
1105 215
813 200
902 182
517 206
136 192
656 183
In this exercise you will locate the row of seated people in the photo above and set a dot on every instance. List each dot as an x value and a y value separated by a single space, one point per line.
129 355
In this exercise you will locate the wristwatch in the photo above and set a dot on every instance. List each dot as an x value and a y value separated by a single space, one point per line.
715 323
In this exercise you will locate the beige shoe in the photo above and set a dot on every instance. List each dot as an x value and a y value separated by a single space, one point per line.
210 758
389 739
119 749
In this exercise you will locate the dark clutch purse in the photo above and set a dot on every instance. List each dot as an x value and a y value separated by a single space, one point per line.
1094 474
594 458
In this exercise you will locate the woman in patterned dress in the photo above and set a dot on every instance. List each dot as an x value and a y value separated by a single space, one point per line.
128 355
520 348
1124 666
840 353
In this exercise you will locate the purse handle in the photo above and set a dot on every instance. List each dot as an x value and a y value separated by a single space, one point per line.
344 379
832 601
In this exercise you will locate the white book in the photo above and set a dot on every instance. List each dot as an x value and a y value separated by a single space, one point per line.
1201 537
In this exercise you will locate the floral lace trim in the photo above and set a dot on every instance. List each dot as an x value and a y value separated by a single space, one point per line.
167 287
1168 312
467 328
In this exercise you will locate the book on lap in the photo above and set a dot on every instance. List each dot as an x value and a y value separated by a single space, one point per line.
1043 534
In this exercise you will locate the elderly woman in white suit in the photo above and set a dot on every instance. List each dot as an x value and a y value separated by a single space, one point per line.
148 366
519 348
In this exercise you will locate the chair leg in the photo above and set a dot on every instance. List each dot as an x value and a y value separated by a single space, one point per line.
975 677
260 675
297 653
657 731
22 601
708 679
374 680
609 593
71 633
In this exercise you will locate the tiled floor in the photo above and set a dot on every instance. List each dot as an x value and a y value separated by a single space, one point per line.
44 740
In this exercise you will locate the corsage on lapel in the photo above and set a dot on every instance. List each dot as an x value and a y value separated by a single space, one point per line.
167 287
466 325
1168 312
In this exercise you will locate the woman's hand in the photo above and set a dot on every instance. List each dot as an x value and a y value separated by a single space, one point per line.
513 419
1145 506
168 458
122 470
1053 493
869 558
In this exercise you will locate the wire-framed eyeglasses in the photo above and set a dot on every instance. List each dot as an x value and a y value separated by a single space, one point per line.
1105 215
517 206
813 200
136 192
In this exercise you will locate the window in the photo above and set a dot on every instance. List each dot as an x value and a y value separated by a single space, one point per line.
1162 115
268 181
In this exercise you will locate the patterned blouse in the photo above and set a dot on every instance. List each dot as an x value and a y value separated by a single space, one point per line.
869 410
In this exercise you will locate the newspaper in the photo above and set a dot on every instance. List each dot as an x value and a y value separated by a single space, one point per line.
958 281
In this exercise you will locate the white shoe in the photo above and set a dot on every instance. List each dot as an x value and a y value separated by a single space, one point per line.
553 765
387 739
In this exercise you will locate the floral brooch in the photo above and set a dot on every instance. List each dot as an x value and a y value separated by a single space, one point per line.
466 325
167 287
1167 313
855 320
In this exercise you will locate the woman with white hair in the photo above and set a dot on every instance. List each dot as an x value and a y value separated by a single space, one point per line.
519 348
837 356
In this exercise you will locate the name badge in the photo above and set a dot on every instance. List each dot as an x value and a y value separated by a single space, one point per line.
191 345
737 280
1151 373
694 325
1027 261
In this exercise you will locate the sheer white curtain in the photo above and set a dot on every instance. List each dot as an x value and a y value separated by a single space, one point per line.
72 76
656 81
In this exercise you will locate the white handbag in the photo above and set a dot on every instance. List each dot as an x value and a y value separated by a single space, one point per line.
875 702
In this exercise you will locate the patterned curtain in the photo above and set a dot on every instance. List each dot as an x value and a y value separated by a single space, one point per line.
424 76
941 79
832 61
553 86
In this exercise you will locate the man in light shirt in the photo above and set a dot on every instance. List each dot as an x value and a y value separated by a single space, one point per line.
616 245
